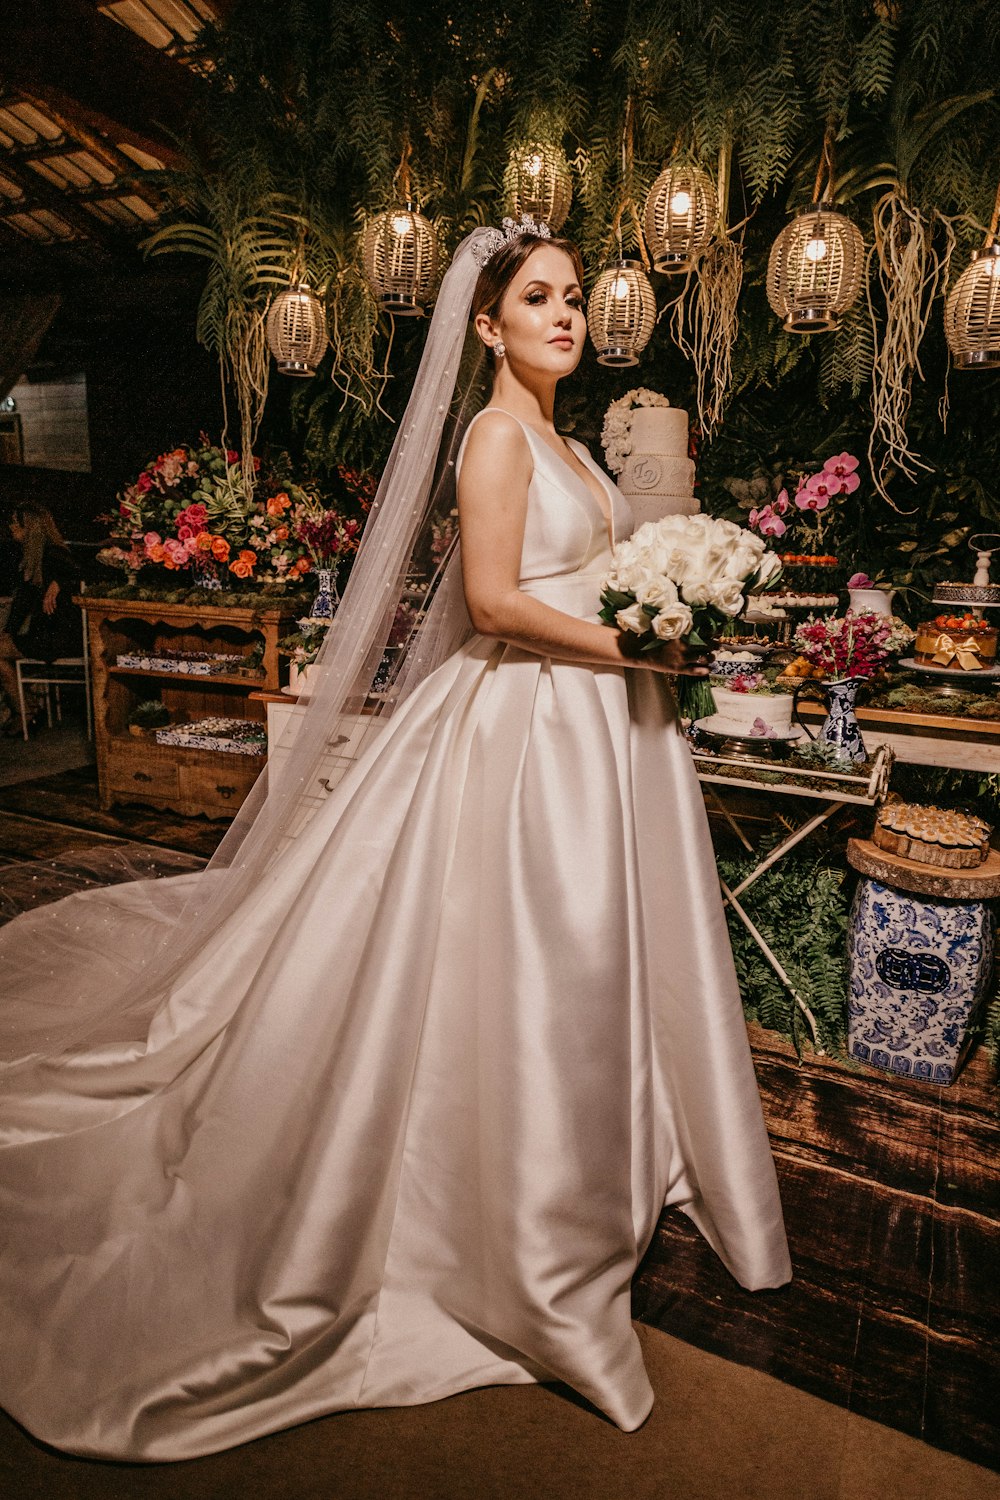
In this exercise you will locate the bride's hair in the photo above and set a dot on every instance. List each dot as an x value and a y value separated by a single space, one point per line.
501 268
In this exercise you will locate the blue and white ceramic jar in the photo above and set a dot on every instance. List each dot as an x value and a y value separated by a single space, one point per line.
918 969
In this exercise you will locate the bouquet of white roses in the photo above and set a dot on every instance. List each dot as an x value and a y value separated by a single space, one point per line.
683 578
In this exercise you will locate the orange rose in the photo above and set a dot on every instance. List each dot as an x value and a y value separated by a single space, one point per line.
156 553
244 564
278 504
302 566
204 541
220 548
281 533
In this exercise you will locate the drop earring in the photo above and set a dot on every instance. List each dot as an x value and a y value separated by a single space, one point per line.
499 349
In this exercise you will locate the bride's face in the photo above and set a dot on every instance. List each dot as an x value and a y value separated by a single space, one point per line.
541 321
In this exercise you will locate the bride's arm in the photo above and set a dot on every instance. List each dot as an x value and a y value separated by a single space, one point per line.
492 507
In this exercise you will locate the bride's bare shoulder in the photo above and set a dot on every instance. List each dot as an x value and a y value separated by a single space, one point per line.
496 444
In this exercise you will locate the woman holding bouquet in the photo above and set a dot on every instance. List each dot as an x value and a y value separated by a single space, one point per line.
395 1107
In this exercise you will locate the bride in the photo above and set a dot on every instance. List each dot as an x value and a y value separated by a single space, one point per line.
389 1109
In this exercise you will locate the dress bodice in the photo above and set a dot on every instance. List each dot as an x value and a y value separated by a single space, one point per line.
567 548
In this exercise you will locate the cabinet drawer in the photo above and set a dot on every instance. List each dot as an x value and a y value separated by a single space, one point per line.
220 790
142 776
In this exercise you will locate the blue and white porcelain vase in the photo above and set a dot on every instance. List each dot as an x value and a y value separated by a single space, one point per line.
840 728
325 603
918 969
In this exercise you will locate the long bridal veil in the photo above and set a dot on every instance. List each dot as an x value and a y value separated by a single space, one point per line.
94 971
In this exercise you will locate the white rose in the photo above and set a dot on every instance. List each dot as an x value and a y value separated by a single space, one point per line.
656 590
634 618
742 562
769 565
673 622
726 595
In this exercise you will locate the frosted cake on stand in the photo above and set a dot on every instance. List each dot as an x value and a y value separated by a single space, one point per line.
646 446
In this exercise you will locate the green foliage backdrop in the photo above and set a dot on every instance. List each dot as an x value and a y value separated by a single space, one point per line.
310 106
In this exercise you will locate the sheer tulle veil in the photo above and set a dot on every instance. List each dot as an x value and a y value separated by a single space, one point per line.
95 969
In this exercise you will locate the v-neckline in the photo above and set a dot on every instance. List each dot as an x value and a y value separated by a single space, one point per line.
609 518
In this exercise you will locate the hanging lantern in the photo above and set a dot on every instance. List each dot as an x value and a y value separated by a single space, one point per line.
401 260
680 217
537 183
621 313
296 330
972 313
814 269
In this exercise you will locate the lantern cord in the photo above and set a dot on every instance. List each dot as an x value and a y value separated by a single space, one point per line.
402 179
991 233
825 167
627 202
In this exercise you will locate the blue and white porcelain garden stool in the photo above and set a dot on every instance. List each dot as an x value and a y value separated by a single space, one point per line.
920 951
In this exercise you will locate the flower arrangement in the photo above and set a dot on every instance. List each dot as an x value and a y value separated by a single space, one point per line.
683 578
192 510
616 434
813 495
852 645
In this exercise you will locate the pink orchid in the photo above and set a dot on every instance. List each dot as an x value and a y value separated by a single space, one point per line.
781 503
766 522
816 494
842 467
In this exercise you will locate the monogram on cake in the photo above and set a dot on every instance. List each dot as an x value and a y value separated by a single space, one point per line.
646 448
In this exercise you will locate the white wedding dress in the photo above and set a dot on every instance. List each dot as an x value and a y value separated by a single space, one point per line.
408 1127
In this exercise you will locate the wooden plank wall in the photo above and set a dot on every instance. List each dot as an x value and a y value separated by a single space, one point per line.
891 1191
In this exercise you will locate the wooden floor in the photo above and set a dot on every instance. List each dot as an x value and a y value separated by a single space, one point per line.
891 1189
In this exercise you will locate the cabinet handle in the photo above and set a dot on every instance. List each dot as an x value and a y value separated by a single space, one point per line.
226 791
141 776
324 782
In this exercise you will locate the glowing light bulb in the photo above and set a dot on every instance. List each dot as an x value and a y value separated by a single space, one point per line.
815 249
680 203
533 164
991 267
620 289
401 224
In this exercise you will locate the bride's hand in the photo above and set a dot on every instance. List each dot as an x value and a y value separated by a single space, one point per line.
676 659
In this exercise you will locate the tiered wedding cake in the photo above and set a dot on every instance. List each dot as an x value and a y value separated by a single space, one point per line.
646 443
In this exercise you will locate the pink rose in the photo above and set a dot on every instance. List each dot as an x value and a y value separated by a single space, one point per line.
152 539
185 533
144 483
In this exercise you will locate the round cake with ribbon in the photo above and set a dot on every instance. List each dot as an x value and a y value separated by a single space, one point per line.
957 643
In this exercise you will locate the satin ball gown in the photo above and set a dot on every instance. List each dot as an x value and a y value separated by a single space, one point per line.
409 1126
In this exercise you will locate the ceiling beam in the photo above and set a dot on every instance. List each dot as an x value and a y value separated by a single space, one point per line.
41 194
91 68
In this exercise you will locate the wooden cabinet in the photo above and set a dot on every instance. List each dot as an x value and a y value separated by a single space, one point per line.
188 780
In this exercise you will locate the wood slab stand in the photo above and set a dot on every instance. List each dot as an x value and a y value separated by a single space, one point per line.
981 884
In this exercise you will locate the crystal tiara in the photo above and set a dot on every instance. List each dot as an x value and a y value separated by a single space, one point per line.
511 229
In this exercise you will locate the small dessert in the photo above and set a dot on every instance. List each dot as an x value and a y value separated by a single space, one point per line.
957 643
932 835
800 669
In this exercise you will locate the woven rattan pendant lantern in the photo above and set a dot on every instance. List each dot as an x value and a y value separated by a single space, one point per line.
400 253
680 216
296 330
621 313
972 313
814 270
538 184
